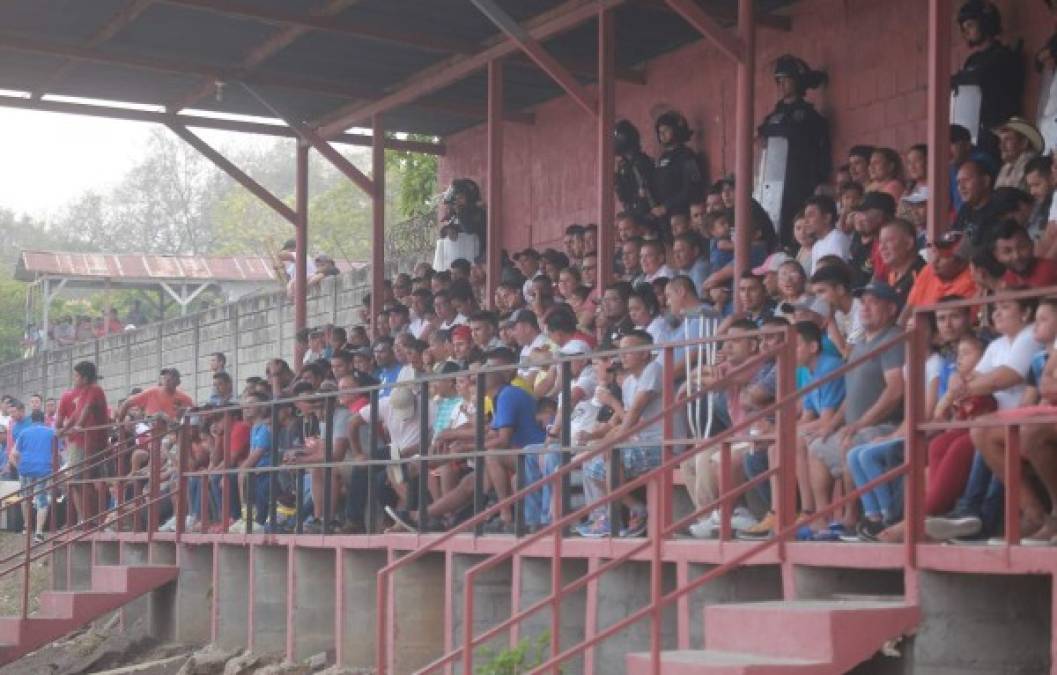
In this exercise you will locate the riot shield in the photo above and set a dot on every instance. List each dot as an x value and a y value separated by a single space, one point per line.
1046 115
770 178
965 108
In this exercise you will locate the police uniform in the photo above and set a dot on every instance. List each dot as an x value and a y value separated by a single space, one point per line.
678 178
808 161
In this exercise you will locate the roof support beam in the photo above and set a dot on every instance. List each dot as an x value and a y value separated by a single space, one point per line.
258 55
538 54
199 122
728 43
240 176
321 145
558 20
124 16
356 29
721 13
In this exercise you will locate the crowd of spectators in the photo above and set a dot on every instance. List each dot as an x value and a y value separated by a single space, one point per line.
844 266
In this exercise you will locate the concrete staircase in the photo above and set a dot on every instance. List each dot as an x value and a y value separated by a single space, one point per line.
800 636
61 612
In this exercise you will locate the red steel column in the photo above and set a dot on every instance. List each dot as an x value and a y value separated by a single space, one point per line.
301 262
377 217
494 179
743 142
606 121
939 116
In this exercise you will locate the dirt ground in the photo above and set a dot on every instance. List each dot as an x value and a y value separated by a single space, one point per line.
11 584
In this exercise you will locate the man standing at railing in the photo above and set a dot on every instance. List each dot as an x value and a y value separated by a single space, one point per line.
89 413
165 398
32 457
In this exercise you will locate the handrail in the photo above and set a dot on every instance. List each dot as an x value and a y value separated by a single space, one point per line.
703 445
384 573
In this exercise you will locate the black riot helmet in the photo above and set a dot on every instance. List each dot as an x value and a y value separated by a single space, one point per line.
985 13
680 129
465 187
797 70
626 138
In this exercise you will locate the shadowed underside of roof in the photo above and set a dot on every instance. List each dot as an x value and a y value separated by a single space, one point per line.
309 59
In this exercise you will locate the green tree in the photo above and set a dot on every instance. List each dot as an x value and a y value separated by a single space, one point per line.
414 176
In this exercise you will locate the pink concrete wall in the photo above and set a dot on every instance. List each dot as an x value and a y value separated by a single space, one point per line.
874 51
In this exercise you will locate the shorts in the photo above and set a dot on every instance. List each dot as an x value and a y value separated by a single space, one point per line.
828 450
42 496
76 454
636 461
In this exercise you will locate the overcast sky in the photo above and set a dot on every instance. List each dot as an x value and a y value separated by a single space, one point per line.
50 158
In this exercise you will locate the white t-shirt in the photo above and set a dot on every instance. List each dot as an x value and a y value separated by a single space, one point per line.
651 380
527 370
835 243
310 269
402 425
850 324
1015 354
663 271
459 320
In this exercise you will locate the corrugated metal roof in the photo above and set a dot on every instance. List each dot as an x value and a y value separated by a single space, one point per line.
134 267
220 39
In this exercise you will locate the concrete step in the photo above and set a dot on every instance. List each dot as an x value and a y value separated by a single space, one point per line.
839 632
715 662
61 612
136 579
79 605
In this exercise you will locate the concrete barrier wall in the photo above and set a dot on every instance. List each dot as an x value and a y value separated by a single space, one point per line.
248 332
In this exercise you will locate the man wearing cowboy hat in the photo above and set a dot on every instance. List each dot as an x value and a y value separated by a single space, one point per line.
1018 142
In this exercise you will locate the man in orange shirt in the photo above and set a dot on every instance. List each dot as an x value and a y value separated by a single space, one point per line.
947 274
165 398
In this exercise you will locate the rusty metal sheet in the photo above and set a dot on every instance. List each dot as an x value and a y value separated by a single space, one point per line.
132 267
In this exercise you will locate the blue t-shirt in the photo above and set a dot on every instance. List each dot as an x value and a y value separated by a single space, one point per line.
515 408
947 367
830 395
1038 364
717 257
261 439
18 427
388 375
34 444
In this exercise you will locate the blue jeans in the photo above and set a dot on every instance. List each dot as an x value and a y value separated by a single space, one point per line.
983 497
754 463
868 462
537 506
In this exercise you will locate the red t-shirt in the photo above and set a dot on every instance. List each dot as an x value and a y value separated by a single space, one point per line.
240 441
66 405
91 401
1043 273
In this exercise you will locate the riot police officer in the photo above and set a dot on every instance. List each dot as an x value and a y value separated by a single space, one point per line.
679 180
464 210
806 145
634 175
993 67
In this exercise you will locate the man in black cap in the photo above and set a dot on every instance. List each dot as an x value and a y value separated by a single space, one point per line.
996 69
634 175
806 132
876 209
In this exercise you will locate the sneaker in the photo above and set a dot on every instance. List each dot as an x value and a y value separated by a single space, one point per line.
637 522
706 528
868 530
169 525
943 528
833 532
401 518
764 529
741 519
238 527
593 529
38 538
313 525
